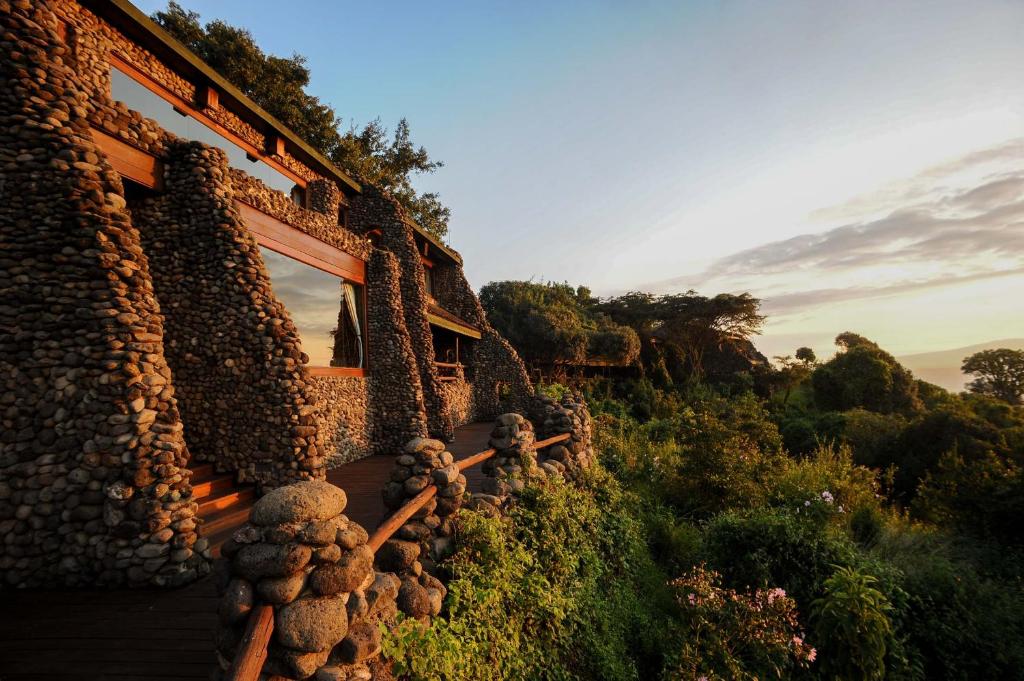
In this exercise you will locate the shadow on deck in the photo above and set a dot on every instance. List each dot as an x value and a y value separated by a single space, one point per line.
159 635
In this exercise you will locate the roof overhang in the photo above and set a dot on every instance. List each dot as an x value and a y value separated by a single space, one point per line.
452 323
131 21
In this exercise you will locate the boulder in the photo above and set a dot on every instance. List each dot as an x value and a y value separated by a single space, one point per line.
307 500
312 624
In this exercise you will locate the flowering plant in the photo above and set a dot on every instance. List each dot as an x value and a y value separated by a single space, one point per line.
737 635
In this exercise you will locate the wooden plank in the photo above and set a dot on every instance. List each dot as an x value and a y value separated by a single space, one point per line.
143 79
479 457
252 652
130 162
281 237
350 372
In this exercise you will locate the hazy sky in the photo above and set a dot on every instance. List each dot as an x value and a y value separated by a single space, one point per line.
859 165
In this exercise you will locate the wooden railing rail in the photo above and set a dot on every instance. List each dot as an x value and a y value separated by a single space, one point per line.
252 652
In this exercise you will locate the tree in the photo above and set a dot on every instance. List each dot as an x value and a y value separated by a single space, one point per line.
278 85
999 373
864 376
807 356
693 323
792 372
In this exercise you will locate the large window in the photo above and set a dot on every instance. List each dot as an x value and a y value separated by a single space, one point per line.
328 311
139 98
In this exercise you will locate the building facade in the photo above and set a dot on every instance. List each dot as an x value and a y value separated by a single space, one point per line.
184 281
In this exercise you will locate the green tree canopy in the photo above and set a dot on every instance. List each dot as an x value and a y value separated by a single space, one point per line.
555 323
692 323
278 84
864 376
999 373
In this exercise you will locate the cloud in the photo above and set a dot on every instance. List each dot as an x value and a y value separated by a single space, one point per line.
950 224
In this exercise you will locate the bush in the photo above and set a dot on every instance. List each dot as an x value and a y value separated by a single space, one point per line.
852 627
763 548
727 634
529 594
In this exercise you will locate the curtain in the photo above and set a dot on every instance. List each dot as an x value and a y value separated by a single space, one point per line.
349 291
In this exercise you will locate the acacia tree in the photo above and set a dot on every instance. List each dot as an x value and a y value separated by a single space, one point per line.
692 323
999 373
278 84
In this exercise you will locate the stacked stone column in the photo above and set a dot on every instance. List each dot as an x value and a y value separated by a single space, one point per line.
301 555
414 550
568 416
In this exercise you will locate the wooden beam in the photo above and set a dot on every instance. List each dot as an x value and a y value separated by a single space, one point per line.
130 162
207 97
290 241
274 145
349 372
252 651
187 108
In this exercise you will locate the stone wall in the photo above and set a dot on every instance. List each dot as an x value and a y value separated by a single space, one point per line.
458 395
343 418
500 382
93 485
236 355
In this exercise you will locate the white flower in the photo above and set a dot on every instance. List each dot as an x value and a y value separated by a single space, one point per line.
827 496
807 503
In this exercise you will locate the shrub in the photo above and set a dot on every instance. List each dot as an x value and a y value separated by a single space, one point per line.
774 547
727 634
851 624
530 598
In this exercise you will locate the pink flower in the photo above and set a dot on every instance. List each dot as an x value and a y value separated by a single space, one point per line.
812 656
692 598
797 641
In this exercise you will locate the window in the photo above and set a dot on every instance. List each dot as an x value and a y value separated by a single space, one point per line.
328 311
428 280
139 98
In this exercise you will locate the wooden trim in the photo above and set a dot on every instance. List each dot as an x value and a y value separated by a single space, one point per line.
208 97
252 652
453 326
349 372
427 262
290 241
130 162
189 109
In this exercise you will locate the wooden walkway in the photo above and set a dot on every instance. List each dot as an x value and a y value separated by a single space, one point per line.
158 635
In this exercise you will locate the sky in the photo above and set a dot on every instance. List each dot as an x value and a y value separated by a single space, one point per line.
857 165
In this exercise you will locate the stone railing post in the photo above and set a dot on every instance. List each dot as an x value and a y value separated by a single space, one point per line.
568 416
415 549
301 555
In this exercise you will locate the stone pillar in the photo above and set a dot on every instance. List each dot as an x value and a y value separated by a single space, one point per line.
568 416
247 400
324 197
93 480
425 462
301 555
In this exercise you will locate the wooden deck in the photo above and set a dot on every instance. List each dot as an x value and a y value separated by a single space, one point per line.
154 635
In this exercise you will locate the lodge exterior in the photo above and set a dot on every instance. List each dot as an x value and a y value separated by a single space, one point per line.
152 309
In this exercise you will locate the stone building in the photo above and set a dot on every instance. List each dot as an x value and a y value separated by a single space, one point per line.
185 283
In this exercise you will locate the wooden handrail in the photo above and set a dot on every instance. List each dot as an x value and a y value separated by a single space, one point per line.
391 525
252 652
448 365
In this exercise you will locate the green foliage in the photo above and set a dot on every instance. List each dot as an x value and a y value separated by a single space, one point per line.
852 627
864 376
278 85
692 325
748 635
999 373
556 323
529 597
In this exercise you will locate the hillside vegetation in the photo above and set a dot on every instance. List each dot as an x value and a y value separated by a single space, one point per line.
811 520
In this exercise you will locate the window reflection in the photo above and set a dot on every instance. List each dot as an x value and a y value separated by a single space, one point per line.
327 310
139 98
